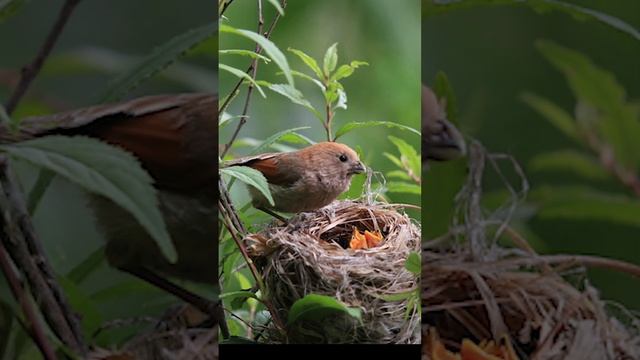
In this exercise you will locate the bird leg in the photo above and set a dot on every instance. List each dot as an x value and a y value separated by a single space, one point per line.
213 309
275 215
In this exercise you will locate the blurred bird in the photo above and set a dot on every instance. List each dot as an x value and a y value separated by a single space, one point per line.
303 180
440 139
174 138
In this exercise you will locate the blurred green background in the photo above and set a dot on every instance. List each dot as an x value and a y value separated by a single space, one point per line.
385 34
489 55
102 39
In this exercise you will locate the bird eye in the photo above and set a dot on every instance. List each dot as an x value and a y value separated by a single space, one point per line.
342 157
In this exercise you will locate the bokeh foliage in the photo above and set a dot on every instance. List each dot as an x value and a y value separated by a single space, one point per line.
502 58
108 51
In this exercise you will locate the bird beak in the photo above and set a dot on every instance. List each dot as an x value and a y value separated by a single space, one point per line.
445 144
357 168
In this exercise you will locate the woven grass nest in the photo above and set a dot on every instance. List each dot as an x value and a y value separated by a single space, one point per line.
310 256
485 300
524 301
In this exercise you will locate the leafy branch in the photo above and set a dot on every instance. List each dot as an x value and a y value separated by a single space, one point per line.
606 124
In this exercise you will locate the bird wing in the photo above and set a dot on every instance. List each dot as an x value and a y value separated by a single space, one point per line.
268 165
173 136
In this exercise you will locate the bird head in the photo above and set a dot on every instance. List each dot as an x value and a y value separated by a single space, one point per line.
335 158
441 140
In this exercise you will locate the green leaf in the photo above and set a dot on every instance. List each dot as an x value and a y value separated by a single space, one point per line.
394 159
398 174
45 177
273 138
408 155
269 47
243 294
597 87
102 169
360 125
238 340
242 75
345 71
226 118
90 60
277 5
413 263
87 266
295 138
314 307
580 13
330 60
403 187
250 177
242 52
309 61
83 304
296 96
397 296
307 77
158 60
443 89
238 298
570 160
554 114
583 203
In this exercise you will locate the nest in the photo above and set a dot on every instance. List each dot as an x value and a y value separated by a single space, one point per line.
174 336
310 256
542 313
540 306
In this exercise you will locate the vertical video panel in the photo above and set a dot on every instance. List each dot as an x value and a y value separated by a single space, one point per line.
320 163
531 191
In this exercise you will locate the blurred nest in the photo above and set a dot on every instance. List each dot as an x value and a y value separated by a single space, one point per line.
523 298
310 255
173 337
513 300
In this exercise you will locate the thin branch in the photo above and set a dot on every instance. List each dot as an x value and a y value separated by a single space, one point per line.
252 68
225 6
233 225
34 326
584 260
327 126
24 247
30 71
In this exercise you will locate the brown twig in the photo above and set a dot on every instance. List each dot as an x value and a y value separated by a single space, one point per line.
34 326
327 125
225 6
20 240
30 71
236 230
252 68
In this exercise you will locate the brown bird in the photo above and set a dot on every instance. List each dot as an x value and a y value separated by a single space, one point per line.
174 137
303 180
440 139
